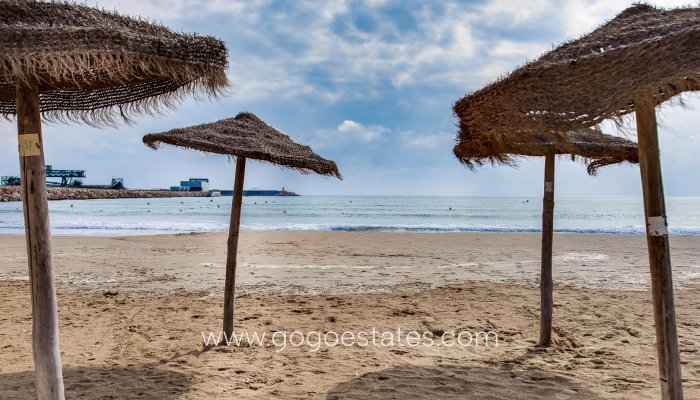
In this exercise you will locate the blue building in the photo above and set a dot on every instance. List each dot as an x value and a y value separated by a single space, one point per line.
192 185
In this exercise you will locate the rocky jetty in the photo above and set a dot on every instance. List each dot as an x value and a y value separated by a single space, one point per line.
13 193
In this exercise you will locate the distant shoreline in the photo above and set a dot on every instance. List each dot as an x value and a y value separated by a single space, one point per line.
13 193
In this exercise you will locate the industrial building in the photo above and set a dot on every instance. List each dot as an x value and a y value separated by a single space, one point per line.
192 185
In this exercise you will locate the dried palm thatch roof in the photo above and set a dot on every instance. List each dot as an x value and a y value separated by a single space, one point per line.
246 136
644 52
590 145
93 65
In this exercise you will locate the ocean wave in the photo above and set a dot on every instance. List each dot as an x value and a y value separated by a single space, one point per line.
155 228
116 228
136 226
624 230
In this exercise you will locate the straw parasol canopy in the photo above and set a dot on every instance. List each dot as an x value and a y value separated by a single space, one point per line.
246 136
594 147
94 66
643 52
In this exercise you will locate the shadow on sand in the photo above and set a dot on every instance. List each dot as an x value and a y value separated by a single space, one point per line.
456 382
119 382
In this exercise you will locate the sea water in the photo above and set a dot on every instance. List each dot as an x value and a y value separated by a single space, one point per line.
623 215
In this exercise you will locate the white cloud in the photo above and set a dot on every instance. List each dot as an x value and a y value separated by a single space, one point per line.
513 49
154 10
582 16
307 54
348 134
259 78
171 10
443 140
361 133
506 12
303 36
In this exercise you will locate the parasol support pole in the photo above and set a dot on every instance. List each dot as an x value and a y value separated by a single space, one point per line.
234 228
659 252
546 282
45 343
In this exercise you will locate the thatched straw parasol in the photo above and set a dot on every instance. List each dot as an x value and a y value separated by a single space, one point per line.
590 145
644 51
242 137
63 61
640 59
99 67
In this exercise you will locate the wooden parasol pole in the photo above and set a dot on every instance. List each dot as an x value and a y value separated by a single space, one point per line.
546 282
659 252
230 285
47 357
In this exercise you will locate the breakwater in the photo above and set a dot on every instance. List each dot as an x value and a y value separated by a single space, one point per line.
13 193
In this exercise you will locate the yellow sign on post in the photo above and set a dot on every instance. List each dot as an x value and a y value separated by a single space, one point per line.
29 145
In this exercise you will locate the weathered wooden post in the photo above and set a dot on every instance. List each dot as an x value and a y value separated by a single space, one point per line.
546 282
659 252
230 284
45 343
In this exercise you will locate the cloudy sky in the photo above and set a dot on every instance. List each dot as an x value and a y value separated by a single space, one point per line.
369 84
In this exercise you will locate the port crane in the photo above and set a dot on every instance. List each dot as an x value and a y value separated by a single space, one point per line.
68 176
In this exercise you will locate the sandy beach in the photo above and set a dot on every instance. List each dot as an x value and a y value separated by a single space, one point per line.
312 262
133 309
